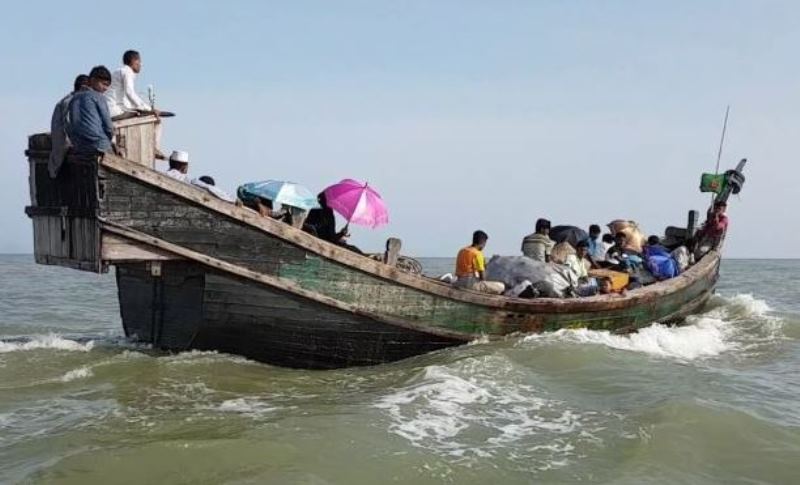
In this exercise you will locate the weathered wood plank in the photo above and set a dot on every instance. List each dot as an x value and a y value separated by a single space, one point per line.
116 249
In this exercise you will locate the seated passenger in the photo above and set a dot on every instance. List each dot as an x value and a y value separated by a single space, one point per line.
471 267
538 245
89 124
322 223
605 245
659 261
606 287
713 230
579 264
178 166
206 182
621 258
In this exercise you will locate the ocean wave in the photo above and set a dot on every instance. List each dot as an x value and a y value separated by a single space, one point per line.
733 323
79 373
49 341
193 357
706 337
480 407
741 305
249 406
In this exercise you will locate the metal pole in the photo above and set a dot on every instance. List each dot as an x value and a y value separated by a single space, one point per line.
722 138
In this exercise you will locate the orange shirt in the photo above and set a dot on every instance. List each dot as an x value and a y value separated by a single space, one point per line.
469 261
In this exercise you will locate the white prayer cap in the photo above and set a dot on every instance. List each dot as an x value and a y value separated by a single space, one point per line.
179 156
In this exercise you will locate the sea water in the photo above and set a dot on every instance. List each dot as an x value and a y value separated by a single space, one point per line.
715 401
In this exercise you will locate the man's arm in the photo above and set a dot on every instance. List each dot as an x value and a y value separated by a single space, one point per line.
480 266
105 116
130 91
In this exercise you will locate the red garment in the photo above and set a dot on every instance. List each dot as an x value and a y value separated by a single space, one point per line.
717 228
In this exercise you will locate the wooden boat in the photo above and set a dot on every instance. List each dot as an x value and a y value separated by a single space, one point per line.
195 272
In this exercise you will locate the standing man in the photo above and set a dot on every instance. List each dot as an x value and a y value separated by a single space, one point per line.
471 267
89 123
596 250
58 127
123 99
538 245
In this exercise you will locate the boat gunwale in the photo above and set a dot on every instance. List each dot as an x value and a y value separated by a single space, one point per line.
354 261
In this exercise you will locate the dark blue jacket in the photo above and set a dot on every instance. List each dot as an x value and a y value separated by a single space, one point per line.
89 123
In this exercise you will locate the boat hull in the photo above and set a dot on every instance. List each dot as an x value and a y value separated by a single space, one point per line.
187 307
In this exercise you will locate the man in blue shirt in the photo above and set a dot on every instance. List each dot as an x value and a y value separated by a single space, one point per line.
89 122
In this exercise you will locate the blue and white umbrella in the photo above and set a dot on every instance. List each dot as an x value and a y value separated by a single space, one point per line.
279 192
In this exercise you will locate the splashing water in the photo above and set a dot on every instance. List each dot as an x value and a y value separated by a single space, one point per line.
706 335
50 341
481 407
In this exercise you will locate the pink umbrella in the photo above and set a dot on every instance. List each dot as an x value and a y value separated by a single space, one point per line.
357 202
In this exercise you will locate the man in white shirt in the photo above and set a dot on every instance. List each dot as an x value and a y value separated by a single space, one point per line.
179 166
122 97
207 182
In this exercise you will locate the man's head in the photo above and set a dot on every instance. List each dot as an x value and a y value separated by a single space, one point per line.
608 239
82 81
620 239
99 79
207 179
720 207
653 241
543 226
594 232
582 249
323 200
179 161
133 60
479 239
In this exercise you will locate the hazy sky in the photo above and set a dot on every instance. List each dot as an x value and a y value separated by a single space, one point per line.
463 114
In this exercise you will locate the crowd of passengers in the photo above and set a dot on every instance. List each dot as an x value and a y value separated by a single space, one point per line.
610 263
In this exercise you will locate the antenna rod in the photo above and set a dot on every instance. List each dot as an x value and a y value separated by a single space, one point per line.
722 138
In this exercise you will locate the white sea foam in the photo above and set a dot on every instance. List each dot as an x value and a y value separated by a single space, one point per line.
79 373
477 402
193 357
740 306
49 341
245 405
706 337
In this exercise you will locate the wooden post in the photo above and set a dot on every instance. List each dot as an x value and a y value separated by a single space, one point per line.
691 224
392 253
136 139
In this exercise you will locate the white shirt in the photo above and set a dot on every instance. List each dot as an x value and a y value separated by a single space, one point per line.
217 192
177 175
121 96
579 266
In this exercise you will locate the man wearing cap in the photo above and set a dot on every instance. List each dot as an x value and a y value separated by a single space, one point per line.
179 166
538 245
